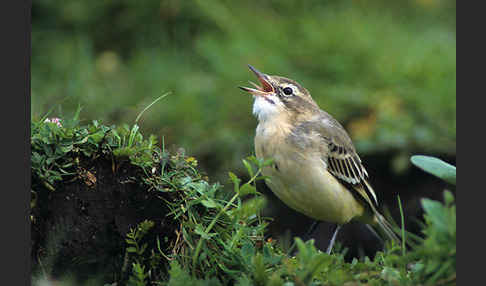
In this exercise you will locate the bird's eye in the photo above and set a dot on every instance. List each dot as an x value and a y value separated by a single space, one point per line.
288 90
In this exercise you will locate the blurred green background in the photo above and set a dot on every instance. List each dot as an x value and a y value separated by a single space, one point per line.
385 69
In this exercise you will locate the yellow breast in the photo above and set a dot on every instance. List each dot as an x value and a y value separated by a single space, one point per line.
301 180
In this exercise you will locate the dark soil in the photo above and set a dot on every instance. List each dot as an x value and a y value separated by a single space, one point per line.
80 227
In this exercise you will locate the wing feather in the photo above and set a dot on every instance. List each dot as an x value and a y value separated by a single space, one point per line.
337 151
349 169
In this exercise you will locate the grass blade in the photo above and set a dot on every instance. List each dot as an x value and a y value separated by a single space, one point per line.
148 106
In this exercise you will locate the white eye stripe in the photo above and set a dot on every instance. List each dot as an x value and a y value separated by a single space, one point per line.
293 87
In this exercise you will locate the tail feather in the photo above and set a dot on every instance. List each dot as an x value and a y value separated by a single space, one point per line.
386 228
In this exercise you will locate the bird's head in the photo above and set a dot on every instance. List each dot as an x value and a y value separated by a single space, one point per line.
279 96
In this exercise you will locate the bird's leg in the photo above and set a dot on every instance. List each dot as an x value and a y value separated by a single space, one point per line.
336 228
312 228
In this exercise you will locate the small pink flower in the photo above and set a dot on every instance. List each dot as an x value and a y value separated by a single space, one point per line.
54 120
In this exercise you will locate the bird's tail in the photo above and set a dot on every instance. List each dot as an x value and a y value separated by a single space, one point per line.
386 228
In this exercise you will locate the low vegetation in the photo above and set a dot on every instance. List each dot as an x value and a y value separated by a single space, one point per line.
198 232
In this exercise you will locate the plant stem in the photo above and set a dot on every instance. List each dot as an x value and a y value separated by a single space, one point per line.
210 226
148 106
213 222
403 225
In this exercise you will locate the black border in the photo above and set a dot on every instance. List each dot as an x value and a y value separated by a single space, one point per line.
15 23
471 190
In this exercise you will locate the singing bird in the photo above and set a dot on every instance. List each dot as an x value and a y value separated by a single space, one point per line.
316 169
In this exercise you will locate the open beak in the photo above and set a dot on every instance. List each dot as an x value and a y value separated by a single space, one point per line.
263 90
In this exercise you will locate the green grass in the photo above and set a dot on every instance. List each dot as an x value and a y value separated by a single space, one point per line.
220 232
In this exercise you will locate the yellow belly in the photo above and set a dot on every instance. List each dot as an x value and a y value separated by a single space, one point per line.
307 187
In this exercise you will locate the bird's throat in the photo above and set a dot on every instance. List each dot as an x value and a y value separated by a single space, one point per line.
265 108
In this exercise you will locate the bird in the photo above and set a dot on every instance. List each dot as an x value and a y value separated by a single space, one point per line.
315 168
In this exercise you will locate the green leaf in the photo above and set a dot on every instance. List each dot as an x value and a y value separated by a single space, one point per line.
97 137
268 162
133 133
436 167
390 274
250 207
244 281
65 149
199 230
247 251
259 274
130 241
448 198
247 189
248 167
236 181
234 178
436 213
131 249
209 204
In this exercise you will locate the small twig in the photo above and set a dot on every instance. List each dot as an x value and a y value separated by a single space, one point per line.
161 252
178 233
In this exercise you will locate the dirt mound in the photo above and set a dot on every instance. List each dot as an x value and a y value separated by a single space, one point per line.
81 226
